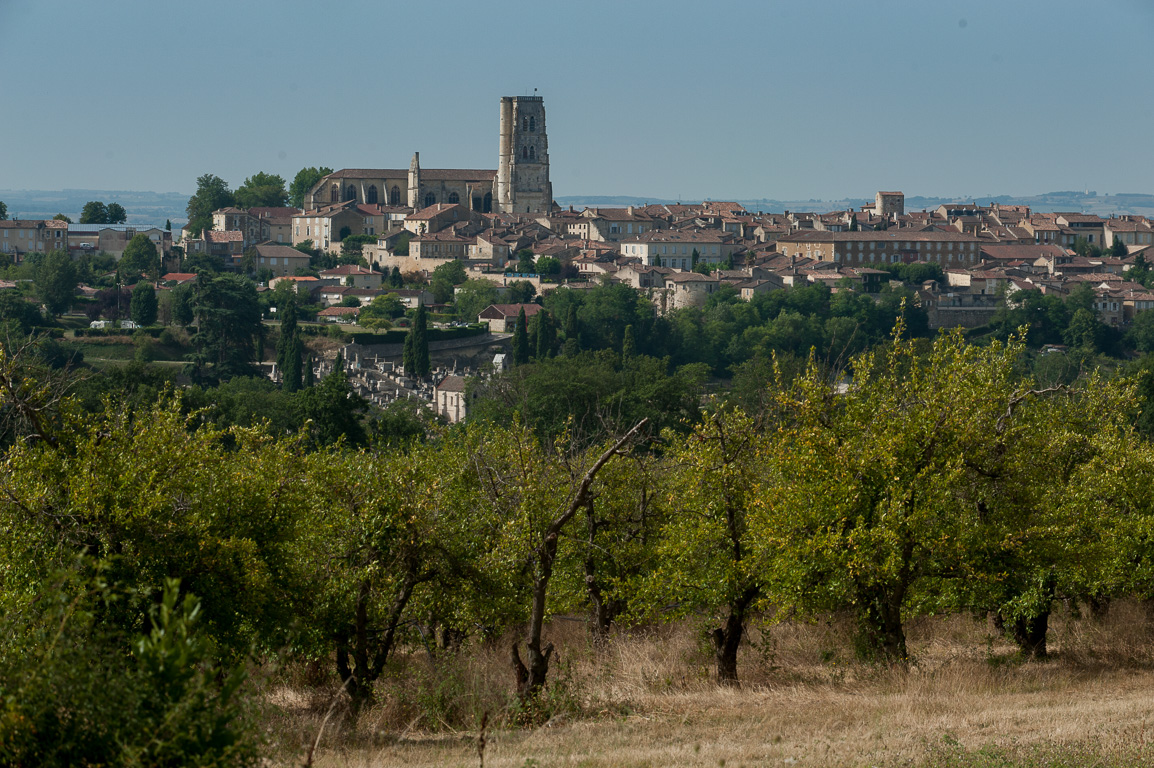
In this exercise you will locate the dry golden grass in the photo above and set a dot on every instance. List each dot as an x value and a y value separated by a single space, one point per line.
647 700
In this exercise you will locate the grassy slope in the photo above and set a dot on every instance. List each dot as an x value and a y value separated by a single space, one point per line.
647 701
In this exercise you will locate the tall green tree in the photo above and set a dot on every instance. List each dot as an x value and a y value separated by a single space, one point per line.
61 217
420 334
305 180
140 257
55 280
3 211
1118 249
262 190
290 349
94 212
212 193
228 325
520 340
143 307
116 213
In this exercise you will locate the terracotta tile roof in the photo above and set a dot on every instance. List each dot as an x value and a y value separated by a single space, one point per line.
338 311
498 311
348 269
452 384
272 250
231 236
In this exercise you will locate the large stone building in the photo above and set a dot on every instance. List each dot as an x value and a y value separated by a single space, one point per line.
519 185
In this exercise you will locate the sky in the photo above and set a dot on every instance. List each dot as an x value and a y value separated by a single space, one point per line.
727 99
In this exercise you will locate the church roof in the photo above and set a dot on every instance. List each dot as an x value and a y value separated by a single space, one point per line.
427 174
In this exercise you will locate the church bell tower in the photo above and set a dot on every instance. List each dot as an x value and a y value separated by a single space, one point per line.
523 184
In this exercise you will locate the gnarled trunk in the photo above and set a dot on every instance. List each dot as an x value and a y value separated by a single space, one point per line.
727 638
881 634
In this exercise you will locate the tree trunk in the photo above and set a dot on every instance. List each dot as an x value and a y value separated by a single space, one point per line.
599 608
726 641
881 635
1030 635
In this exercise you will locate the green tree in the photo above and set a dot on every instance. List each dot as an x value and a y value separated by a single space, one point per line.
520 340
520 292
408 355
3 211
1118 249
261 190
55 281
473 297
705 559
334 410
140 257
305 180
548 266
526 263
94 212
212 193
395 279
1085 330
61 217
629 344
290 348
143 307
420 336
14 308
116 213
228 325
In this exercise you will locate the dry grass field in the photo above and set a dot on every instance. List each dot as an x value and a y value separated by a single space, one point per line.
647 700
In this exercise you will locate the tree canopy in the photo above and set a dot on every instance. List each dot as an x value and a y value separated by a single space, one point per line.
261 190
305 180
212 193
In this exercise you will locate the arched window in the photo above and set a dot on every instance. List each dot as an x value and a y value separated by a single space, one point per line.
371 194
351 193
524 123
524 153
430 199
532 124
487 207
454 197
532 153
395 195
334 194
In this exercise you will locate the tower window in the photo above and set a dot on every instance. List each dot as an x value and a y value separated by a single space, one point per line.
532 153
524 123
532 124
524 153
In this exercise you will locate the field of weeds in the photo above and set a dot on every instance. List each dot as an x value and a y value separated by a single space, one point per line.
648 699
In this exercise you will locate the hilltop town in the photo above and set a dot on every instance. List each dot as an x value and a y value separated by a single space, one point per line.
367 247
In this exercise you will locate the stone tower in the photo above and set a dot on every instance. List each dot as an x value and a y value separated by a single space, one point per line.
523 162
415 181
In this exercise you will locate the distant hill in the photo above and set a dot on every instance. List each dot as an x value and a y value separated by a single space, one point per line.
156 207
1082 202
142 207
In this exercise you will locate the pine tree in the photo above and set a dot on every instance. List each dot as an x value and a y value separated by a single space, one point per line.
572 327
395 279
289 351
521 340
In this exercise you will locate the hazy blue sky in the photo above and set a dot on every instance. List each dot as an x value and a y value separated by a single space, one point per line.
740 99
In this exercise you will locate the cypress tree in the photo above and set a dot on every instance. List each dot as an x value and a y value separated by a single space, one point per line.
420 334
408 360
629 345
289 350
521 340
545 335
572 328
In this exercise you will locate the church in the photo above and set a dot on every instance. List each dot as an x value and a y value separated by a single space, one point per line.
519 185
